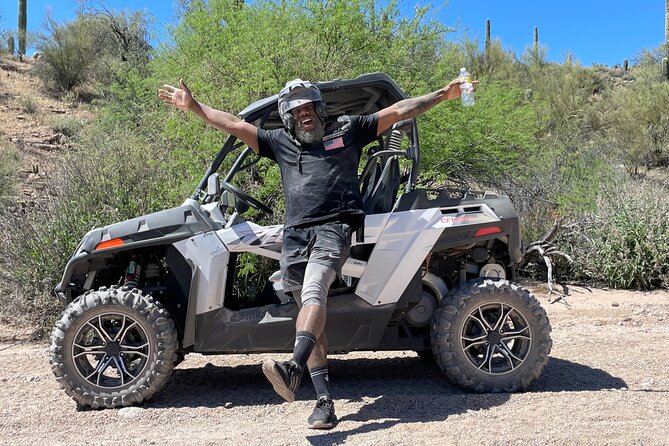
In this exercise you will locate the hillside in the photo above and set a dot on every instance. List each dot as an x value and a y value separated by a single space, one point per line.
32 122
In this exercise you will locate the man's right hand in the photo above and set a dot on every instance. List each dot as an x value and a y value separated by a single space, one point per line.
182 98
178 97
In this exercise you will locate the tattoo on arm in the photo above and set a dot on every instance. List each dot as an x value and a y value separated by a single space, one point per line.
412 107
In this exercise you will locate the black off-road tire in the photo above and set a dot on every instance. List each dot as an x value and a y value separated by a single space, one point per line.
113 347
491 336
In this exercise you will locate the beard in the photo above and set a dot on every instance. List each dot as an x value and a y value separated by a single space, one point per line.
310 137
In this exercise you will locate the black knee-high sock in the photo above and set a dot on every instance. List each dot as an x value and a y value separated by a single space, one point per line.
304 344
319 376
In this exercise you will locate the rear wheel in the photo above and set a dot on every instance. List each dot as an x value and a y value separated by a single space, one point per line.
491 336
113 347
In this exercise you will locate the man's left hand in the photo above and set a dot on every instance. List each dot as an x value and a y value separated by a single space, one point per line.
452 90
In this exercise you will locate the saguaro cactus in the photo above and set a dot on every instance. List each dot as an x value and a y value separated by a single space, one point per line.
666 28
665 63
625 64
487 34
10 44
23 22
535 51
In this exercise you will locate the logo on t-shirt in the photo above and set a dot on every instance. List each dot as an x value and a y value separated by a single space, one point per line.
336 143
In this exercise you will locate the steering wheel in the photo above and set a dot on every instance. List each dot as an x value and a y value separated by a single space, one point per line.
246 198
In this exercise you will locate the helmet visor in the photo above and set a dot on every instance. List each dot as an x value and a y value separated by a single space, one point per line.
299 96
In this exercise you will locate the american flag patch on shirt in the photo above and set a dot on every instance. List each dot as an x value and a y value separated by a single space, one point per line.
336 143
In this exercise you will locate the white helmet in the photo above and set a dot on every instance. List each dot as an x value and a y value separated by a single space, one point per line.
298 92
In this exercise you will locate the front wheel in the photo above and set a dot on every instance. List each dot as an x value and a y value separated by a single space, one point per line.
113 347
491 336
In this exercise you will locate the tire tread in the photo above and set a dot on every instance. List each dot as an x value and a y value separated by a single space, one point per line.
444 336
151 381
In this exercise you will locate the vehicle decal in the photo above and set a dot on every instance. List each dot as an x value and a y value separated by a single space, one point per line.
448 221
268 319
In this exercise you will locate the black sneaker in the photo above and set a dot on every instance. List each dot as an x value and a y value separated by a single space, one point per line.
285 377
323 416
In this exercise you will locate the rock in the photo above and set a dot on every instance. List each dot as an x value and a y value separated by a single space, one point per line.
615 304
131 412
228 405
55 139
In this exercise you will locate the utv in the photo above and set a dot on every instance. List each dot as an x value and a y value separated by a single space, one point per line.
432 272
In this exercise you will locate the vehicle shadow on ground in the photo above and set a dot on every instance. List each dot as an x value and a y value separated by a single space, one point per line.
392 390
403 377
401 403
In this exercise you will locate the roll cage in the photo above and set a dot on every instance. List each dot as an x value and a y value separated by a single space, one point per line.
364 94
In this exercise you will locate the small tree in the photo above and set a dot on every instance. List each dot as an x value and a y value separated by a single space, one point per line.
96 47
67 53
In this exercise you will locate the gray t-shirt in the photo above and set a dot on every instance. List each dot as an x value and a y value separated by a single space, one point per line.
320 180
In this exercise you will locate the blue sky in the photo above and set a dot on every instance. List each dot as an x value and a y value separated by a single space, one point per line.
593 31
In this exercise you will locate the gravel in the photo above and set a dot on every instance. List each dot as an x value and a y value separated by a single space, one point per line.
605 384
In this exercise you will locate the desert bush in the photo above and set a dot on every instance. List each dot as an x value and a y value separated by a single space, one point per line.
639 125
27 104
67 125
9 158
97 47
110 176
67 53
481 144
624 243
650 56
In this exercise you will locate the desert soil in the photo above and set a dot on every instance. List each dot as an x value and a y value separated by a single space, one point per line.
606 383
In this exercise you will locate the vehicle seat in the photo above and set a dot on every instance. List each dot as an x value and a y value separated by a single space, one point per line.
380 185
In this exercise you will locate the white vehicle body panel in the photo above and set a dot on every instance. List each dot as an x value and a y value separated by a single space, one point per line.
210 257
400 249
402 242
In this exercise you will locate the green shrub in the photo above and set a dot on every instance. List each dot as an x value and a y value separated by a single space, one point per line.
95 47
67 125
27 104
9 158
111 176
639 125
625 242
67 53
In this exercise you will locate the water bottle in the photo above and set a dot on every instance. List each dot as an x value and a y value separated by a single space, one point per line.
466 88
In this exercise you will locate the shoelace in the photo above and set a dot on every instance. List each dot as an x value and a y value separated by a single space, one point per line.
325 404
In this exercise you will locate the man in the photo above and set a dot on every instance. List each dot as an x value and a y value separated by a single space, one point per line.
319 165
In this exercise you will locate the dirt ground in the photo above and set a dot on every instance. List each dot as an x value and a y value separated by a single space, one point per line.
606 383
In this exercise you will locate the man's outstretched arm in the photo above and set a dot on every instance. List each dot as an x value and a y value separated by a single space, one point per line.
412 107
182 98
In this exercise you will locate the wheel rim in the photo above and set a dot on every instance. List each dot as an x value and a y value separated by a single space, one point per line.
496 338
111 350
